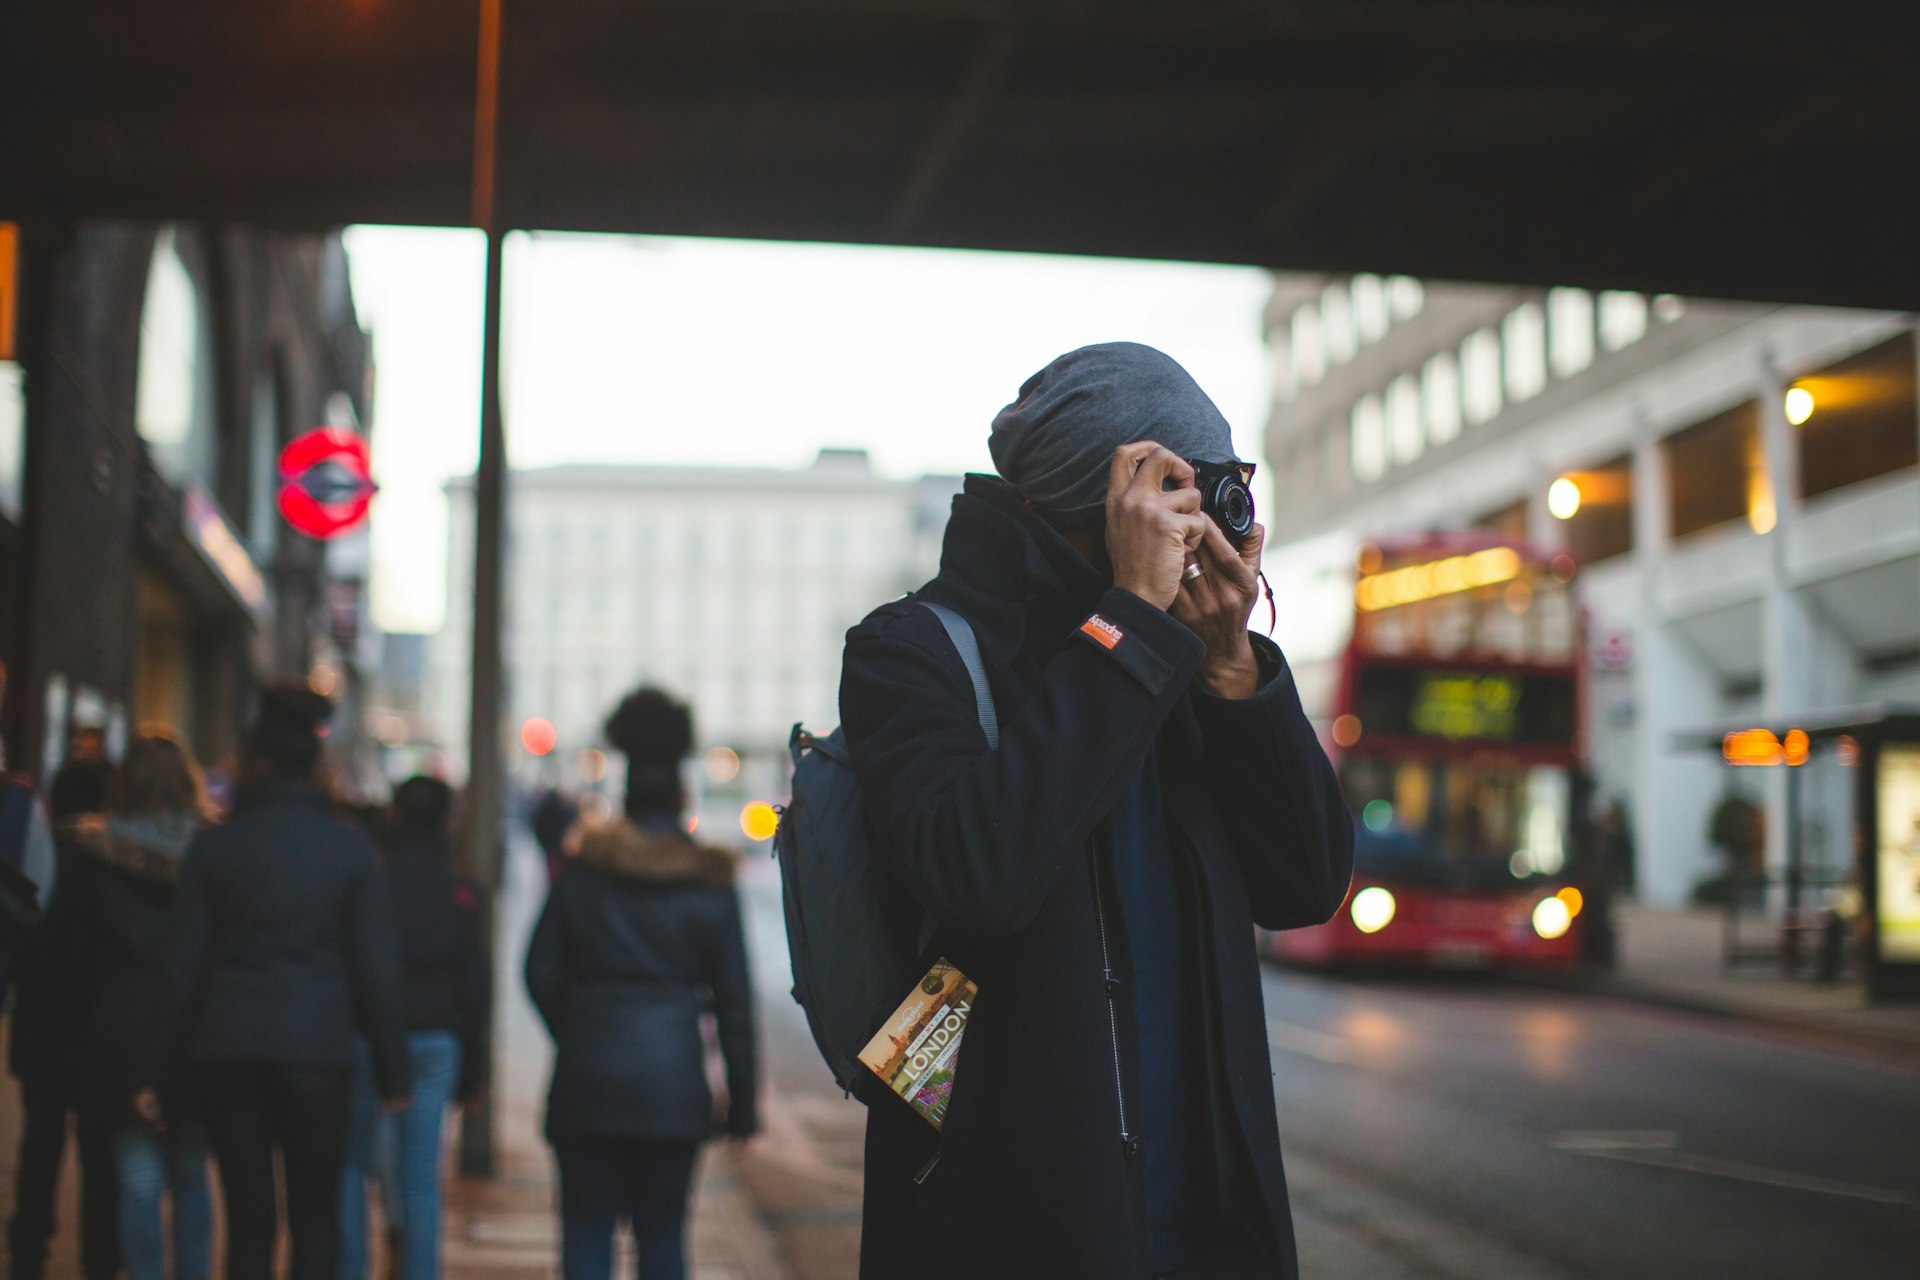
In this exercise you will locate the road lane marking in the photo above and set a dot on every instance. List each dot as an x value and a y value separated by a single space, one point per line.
1659 1148
1291 1037
1588 1141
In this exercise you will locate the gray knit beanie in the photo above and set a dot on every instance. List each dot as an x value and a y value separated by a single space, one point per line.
1055 442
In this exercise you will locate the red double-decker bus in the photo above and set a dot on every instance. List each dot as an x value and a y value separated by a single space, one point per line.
1457 723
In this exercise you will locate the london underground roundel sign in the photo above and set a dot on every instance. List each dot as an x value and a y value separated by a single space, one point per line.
326 483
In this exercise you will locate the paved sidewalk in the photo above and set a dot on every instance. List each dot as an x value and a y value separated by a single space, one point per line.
1672 956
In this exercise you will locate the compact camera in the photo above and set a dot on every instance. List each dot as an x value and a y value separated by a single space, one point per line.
1225 497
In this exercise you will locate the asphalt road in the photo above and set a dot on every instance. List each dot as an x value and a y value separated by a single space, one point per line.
1554 1134
1485 1130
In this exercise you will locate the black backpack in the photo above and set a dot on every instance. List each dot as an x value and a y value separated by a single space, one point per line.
855 952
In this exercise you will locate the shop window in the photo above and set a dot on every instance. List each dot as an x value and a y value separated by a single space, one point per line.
1569 331
1856 419
1369 438
1523 344
174 393
1602 527
13 441
1403 419
1623 319
1714 470
1440 397
1480 376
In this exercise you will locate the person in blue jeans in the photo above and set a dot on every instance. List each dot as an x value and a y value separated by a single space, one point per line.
126 866
639 939
158 1166
445 993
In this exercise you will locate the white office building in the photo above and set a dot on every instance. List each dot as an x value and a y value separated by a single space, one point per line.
1740 487
731 587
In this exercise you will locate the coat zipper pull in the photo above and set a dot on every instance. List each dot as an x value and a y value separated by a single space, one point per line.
926 1169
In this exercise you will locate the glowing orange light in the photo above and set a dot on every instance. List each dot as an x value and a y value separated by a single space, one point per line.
1370 559
1441 577
1760 748
1751 747
693 824
758 820
538 736
1346 730
1796 746
1573 898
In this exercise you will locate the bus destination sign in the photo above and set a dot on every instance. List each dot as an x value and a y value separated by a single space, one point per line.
1448 704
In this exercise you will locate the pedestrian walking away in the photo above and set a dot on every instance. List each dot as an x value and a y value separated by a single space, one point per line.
640 935
27 859
49 968
444 994
1156 791
123 884
284 953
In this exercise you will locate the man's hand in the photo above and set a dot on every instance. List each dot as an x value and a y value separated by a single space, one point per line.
1152 531
1216 605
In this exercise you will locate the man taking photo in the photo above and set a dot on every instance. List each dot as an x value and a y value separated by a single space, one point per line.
1156 792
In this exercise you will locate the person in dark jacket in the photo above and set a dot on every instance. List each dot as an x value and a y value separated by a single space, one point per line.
284 952
124 884
445 991
640 936
1157 791
81 783
55 974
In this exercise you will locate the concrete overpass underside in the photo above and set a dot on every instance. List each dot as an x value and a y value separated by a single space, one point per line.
1763 150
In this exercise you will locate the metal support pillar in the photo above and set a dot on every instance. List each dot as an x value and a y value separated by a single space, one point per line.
486 792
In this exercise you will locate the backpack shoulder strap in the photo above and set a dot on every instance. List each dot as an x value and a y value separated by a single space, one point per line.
960 631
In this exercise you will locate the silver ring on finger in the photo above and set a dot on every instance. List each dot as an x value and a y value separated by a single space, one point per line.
1191 572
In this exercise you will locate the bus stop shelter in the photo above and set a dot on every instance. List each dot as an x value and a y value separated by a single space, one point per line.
1880 747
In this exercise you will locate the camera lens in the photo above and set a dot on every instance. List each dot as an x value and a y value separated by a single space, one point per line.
1235 506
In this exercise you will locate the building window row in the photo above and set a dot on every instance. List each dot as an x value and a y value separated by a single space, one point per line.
1348 315
1493 367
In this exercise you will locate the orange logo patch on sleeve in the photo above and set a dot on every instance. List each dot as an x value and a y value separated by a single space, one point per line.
1102 632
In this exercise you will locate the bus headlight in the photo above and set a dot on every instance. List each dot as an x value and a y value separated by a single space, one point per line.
1371 909
1551 918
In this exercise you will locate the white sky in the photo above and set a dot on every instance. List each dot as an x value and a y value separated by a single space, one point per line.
632 349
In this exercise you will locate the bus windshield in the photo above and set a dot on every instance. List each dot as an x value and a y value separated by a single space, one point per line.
1462 825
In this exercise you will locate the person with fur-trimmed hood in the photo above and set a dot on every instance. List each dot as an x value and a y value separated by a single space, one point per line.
640 936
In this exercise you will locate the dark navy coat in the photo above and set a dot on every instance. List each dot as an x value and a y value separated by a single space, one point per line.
1039 1163
284 947
641 935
